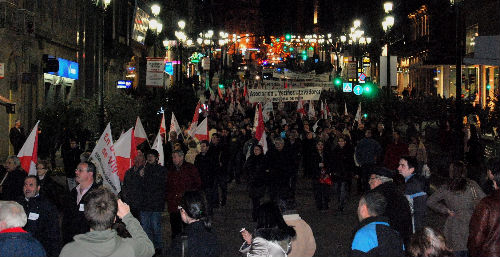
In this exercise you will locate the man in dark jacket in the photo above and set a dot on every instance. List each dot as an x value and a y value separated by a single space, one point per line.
133 191
398 209
206 165
74 221
17 137
375 237
12 180
43 220
484 227
15 241
153 204
414 190
280 171
182 177
71 158
367 152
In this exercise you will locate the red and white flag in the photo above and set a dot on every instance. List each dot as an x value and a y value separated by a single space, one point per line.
300 107
104 158
311 113
139 132
194 123
28 155
125 151
260 130
174 126
158 146
163 127
201 132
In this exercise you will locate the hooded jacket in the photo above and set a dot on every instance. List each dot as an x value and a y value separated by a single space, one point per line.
108 243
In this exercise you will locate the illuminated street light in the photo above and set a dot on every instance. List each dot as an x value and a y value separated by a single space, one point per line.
181 24
387 7
155 9
357 23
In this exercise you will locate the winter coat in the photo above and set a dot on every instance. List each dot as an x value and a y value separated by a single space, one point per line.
186 178
54 192
376 238
342 164
462 203
200 242
417 197
154 188
43 223
276 245
133 191
206 165
367 151
108 243
304 244
258 175
15 242
398 209
74 221
484 227
71 159
12 187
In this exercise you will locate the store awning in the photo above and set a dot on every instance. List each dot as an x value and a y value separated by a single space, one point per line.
486 51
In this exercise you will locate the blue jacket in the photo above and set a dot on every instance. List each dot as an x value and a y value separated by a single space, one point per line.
13 244
376 238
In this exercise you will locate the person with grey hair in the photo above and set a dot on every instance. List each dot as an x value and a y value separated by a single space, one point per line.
398 209
182 177
15 241
12 179
375 237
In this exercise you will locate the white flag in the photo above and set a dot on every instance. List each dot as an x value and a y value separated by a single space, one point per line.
104 158
158 146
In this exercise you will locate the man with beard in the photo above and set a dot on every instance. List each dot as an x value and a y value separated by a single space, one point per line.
43 220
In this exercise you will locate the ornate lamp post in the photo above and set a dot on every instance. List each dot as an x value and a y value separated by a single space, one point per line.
181 38
387 24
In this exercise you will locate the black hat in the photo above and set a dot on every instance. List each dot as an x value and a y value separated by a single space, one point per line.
383 172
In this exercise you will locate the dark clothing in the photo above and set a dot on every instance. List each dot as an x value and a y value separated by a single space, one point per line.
393 153
280 172
19 243
367 151
71 159
376 238
258 175
133 191
206 166
153 184
12 187
308 148
74 221
417 197
321 191
43 223
54 192
398 209
185 178
342 167
200 242
484 227
17 138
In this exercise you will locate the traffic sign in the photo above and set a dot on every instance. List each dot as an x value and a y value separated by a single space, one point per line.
362 77
358 90
347 87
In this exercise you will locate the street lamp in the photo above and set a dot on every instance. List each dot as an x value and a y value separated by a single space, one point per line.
181 38
387 24
155 9
101 6
356 37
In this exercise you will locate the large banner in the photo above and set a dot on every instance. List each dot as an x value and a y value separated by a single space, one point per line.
284 95
154 72
104 159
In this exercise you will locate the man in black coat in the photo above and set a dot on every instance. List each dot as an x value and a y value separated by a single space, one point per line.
43 220
17 137
12 179
206 165
71 158
74 221
280 171
398 209
133 189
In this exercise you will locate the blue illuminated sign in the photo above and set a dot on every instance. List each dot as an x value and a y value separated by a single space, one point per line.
169 68
123 84
358 90
67 69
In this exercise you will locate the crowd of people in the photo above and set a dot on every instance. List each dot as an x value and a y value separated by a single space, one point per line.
387 160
